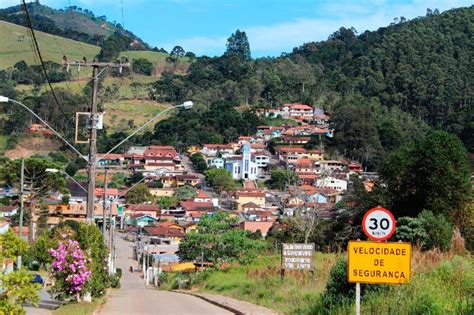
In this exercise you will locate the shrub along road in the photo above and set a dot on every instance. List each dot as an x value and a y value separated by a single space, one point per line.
134 298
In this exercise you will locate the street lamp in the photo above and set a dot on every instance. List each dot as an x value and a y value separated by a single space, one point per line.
54 170
185 105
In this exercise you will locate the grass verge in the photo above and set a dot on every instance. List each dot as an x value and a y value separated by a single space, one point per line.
81 308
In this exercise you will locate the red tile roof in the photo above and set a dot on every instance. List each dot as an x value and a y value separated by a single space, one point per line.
163 231
299 106
197 206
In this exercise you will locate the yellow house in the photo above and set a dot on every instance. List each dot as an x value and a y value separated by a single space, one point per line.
314 155
243 197
162 192
193 149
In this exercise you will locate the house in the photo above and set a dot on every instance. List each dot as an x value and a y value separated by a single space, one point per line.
162 192
202 196
332 183
171 234
242 168
354 167
170 225
211 150
189 226
8 211
40 129
261 160
216 162
330 166
111 159
193 149
244 197
144 208
140 219
254 226
186 179
297 110
250 206
195 210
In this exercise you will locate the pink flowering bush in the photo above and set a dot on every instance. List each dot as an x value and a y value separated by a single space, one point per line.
69 269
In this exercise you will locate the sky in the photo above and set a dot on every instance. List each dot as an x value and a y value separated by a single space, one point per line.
272 26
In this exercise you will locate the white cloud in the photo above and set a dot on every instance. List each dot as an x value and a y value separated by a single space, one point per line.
282 37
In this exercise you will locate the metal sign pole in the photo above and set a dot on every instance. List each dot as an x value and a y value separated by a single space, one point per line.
357 298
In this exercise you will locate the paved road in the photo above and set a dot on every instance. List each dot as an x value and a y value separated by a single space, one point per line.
134 298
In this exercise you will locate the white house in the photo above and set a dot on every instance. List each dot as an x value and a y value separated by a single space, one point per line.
333 183
242 168
262 160
217 162
211 150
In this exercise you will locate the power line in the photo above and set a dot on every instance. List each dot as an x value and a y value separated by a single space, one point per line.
30 25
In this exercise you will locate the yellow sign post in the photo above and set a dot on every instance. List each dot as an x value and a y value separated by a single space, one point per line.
373 262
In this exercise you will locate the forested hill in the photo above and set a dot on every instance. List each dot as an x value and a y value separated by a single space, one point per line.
383 88
423 66
72 22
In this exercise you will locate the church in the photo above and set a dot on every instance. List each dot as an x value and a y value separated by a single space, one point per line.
242 167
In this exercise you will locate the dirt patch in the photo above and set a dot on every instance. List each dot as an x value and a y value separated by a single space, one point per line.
32 145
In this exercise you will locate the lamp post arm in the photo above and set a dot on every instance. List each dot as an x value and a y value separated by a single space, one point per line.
51 128
138 130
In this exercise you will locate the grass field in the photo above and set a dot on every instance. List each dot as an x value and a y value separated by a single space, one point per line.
119 113
16 45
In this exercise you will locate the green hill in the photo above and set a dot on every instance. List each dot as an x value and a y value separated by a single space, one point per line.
17 45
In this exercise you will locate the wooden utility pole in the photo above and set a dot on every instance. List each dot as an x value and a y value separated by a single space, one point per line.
20 227
93 119
104 207
92 149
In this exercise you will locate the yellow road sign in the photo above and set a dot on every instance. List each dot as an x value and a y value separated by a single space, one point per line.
373 262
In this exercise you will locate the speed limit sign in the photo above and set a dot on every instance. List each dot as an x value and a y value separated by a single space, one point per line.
378 224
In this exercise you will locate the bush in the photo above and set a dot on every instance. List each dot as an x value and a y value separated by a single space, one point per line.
115 281
438 229
339 292
118 272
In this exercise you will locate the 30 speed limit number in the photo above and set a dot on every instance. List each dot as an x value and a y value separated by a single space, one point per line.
378 224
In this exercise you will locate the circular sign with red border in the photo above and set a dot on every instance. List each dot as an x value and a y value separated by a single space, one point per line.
379 224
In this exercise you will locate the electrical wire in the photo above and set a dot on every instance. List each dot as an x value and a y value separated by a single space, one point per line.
30 25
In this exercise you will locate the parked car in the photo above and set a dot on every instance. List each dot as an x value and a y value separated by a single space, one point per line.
37 279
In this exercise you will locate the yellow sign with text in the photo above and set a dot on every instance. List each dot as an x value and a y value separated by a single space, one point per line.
373 262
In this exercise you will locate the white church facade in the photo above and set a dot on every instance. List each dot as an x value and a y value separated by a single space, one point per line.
243 168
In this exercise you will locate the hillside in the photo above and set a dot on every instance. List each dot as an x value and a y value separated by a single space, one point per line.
159 61
71 22
17 45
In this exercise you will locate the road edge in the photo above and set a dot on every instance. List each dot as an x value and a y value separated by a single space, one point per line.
221 305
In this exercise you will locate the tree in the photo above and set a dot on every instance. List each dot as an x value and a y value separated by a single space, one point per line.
198 162
37 182
218 241
139 194
42 223
70 269
17 286
167 202
238 44
177 51
431 174
281 179
220 179
185 192
142 66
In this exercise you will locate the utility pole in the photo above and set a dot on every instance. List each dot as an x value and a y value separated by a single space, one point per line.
104 208
93 119
92 148
20 227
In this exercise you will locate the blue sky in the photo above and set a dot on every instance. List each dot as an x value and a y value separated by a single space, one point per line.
272 26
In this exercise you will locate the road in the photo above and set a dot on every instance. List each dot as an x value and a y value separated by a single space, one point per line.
134 298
